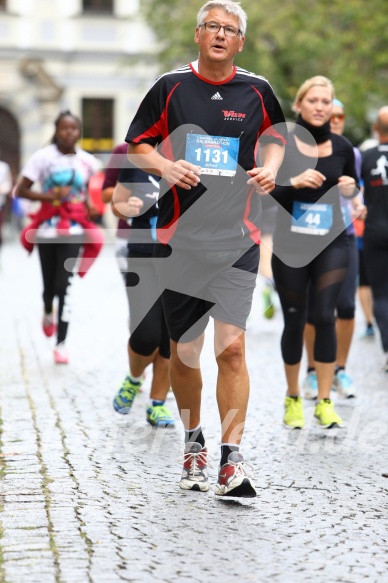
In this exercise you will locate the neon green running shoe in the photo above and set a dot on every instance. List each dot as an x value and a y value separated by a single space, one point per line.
293 412
159 416
325 414
122 402
268 301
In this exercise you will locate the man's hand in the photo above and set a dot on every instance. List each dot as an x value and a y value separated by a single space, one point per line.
263 179
182 173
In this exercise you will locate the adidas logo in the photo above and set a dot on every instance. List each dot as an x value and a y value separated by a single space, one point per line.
217 96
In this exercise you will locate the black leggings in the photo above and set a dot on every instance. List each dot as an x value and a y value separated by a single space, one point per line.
326 273
151 332
376 261
346 304
56 280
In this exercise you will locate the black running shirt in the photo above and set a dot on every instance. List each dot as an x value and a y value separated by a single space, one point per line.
375 176
216 126
339 163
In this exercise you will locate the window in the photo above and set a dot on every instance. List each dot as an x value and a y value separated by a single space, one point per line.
97 121
105 6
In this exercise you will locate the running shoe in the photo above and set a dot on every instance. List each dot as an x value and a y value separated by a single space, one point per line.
325 414
293 413
369 332
268 301
343 385
233 480
310 385
122 402
160 416
60 354
194 473
48 325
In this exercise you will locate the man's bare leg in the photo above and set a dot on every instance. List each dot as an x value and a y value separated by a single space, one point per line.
160 384
186 380
232 381
232 398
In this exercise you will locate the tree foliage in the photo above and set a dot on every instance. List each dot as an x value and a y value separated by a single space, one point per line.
290 40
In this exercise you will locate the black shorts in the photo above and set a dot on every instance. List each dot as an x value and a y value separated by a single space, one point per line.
147 324
198 284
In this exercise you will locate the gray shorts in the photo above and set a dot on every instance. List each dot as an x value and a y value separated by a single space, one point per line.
198 284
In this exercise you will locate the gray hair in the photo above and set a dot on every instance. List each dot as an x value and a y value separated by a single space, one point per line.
229 7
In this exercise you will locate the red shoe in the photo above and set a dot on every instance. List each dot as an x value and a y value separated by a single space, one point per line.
233 479
48 325
194 473
60 354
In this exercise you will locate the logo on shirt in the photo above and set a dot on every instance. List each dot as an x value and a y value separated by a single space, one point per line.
233 115
217 96
380 170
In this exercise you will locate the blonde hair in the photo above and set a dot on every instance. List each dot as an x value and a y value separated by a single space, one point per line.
317 81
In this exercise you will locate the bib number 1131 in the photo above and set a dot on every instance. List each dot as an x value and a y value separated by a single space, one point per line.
216 155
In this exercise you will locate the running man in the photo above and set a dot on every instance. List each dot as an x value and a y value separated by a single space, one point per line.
198 128
374 174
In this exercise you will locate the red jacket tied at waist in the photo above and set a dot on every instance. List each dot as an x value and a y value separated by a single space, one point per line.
67 212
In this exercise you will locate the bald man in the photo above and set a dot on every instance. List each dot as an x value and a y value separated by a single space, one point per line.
375 175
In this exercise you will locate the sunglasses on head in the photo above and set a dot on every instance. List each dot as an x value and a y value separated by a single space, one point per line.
339 116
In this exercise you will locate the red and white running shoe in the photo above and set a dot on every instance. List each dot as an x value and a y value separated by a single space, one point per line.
194 473
233 481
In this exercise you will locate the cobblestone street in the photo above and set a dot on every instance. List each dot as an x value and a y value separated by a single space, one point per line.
89 496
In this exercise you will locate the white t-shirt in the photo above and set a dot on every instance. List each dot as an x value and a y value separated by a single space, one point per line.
51 169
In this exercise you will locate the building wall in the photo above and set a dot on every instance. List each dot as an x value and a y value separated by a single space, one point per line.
52 55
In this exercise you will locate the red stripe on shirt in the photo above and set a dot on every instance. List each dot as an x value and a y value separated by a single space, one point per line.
267 125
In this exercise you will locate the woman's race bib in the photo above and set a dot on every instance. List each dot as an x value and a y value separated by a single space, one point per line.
311 219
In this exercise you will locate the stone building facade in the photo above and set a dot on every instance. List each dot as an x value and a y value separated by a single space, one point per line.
94 57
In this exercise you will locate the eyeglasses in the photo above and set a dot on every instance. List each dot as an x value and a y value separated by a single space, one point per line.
214 27
337 116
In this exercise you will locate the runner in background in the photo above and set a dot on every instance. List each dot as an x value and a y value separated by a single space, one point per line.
61 227
311 247
346 304
136 196
375 179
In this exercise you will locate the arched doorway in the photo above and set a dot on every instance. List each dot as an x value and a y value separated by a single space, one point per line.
10 141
